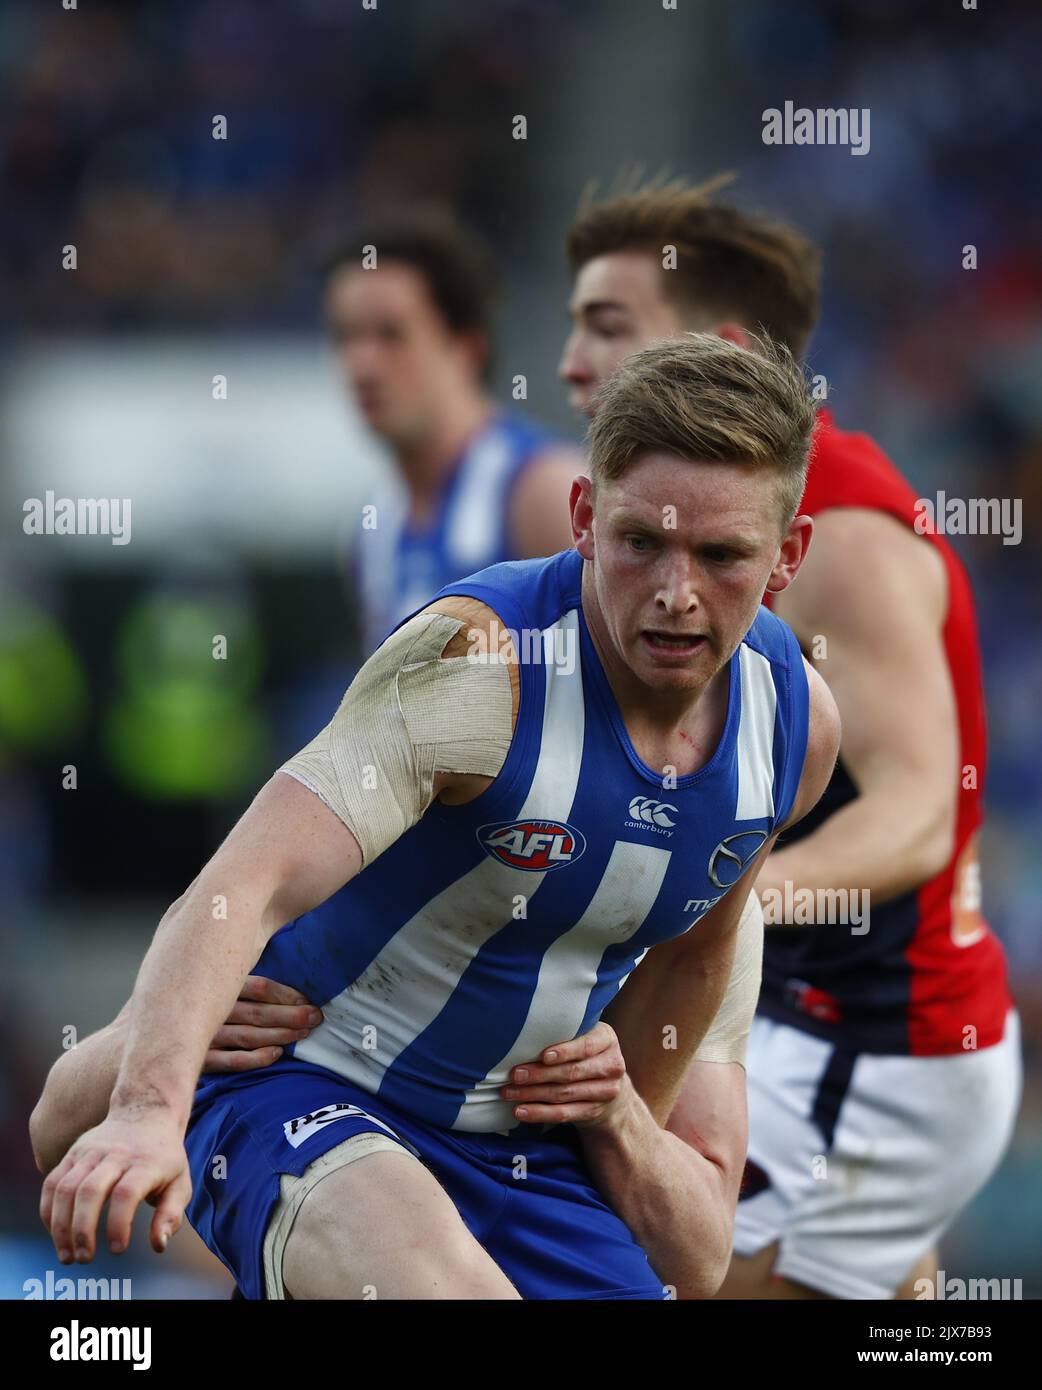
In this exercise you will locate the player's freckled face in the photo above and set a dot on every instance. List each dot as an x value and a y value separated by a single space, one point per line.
681 553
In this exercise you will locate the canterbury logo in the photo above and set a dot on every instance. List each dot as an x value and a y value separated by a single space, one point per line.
652 812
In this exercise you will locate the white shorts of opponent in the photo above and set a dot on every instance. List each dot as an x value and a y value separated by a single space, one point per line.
867 1159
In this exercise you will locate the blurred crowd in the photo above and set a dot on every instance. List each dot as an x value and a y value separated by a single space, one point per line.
109 145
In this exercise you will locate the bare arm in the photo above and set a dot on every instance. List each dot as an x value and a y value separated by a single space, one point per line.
267 1015
76 1094
287 854
265 1018
540 518
672 1195
877 594
676 1187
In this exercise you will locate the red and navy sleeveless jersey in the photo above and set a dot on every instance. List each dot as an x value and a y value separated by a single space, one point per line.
930 967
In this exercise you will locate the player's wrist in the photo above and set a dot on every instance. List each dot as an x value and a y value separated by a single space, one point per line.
150 1101
620 1116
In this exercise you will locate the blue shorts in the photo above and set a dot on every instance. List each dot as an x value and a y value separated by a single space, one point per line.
550 1232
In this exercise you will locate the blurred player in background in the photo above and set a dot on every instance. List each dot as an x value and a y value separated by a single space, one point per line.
408 305
892 1051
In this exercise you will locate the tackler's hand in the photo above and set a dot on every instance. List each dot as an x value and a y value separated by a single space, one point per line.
266 1016
572 1082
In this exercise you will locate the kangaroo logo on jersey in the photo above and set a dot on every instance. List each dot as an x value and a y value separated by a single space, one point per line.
730 857
538 845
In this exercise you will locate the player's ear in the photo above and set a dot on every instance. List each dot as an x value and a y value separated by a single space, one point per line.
580 503
791 554
732 333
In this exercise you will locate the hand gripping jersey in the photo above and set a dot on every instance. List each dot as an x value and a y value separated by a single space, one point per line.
490 930
397 566
929 966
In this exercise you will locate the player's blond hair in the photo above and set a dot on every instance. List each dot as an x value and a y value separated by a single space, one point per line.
703 399
728 263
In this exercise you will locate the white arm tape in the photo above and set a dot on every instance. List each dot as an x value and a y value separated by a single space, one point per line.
729 1032
406 715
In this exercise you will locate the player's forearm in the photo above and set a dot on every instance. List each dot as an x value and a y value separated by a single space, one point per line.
674 1199
76 1094
203 949
885 842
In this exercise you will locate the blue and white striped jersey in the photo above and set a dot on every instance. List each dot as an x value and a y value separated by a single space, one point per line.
397 567
491 930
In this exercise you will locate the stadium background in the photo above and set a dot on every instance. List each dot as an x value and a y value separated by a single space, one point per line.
199 257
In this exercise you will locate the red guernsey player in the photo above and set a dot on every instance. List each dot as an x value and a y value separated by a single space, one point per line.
897 1021
884 1063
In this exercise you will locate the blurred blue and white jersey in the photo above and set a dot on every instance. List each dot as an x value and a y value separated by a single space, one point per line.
493 929
398 568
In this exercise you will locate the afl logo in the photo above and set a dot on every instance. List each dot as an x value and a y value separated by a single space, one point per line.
730 857
535 845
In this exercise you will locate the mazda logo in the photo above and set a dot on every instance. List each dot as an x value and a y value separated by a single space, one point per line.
730 857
